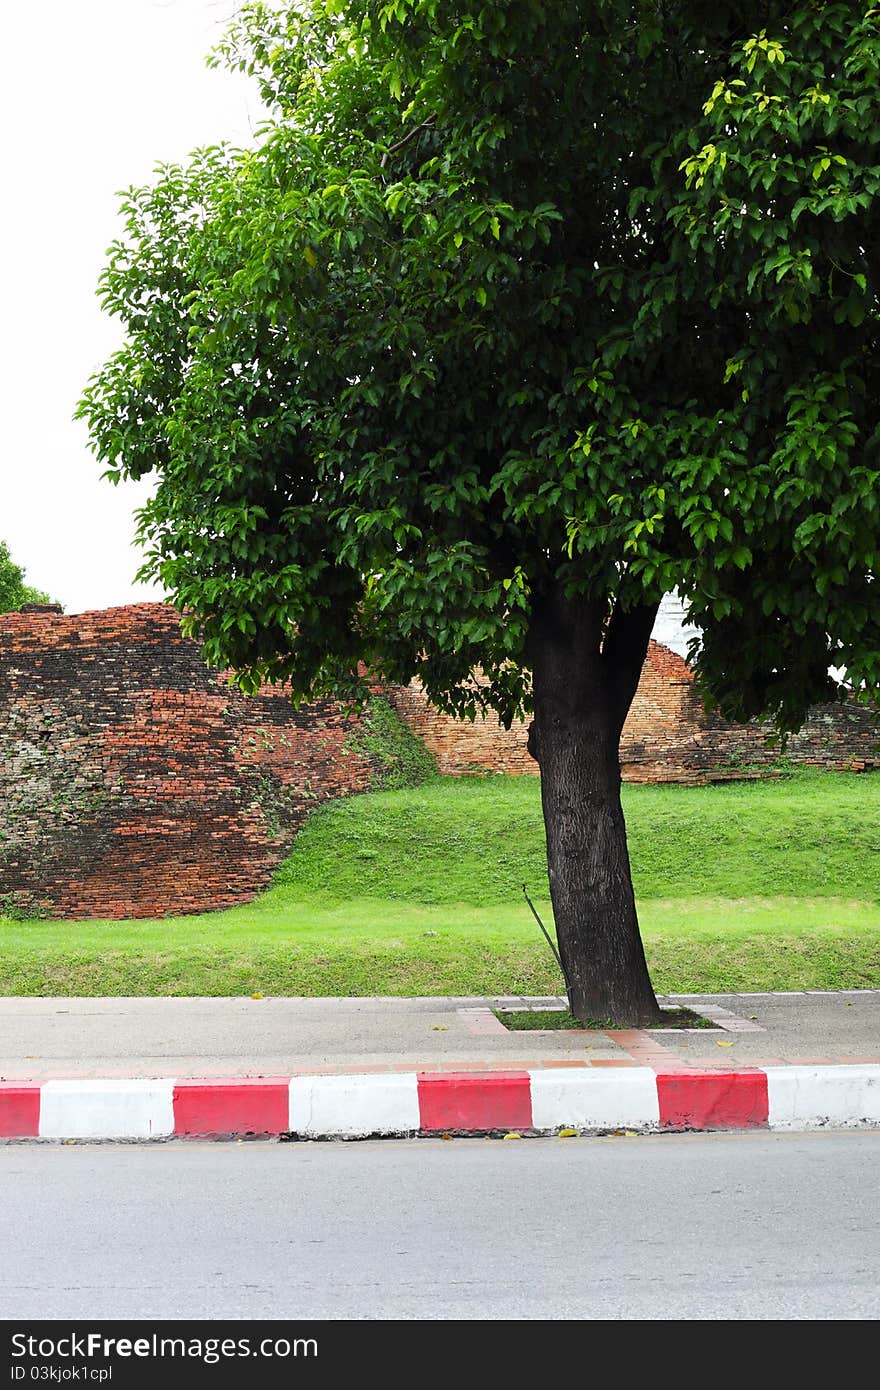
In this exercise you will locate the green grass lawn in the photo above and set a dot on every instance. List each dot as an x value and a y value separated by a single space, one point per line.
741 886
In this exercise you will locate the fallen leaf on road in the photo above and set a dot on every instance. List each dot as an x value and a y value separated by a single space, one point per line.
722 1042
513 1135
440 1027
568 1134
257 996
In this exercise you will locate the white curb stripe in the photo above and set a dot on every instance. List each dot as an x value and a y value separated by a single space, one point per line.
353 1106
610 1098
107 1109
808 1097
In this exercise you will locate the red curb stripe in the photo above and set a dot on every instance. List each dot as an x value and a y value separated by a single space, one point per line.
19 1111
468 1100
713 1100
242 1106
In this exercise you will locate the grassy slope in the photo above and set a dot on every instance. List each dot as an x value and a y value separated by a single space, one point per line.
476 840
772 885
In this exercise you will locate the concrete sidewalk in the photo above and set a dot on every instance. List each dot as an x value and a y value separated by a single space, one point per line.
128 1068
242 1037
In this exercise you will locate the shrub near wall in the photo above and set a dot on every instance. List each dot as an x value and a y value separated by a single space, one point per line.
397 754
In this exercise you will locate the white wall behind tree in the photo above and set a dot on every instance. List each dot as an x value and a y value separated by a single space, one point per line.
671 627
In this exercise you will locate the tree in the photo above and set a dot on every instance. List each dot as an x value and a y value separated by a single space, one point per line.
13 590
516 317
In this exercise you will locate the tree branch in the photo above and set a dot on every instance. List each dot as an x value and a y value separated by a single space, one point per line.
424 125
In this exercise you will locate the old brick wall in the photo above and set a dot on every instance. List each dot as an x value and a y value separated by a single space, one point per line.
135 782
458 745
668 737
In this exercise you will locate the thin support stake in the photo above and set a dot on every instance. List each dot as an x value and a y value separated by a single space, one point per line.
550 942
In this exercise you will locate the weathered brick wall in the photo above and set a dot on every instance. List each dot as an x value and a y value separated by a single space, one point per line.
668 737
135 782
458 745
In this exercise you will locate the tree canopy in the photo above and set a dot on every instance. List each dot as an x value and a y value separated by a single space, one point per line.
13 590
507 291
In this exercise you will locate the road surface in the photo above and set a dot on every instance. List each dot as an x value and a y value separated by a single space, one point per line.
667 1227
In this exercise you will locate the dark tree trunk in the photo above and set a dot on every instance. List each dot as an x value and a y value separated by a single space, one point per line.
585 674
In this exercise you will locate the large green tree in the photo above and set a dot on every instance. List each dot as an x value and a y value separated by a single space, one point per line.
13 590
516 317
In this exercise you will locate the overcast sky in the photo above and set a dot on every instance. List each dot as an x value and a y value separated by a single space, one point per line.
94 94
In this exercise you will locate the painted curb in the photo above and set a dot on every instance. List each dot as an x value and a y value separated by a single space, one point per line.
542 1100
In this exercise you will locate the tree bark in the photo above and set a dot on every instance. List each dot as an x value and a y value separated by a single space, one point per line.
585 673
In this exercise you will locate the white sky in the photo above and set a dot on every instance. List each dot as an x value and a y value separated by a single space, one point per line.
93 93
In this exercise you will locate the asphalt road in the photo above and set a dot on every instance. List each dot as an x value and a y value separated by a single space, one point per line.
668 1227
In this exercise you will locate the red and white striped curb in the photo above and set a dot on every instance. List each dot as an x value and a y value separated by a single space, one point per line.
405 1103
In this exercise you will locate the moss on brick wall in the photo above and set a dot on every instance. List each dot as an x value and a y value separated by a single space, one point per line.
398 756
